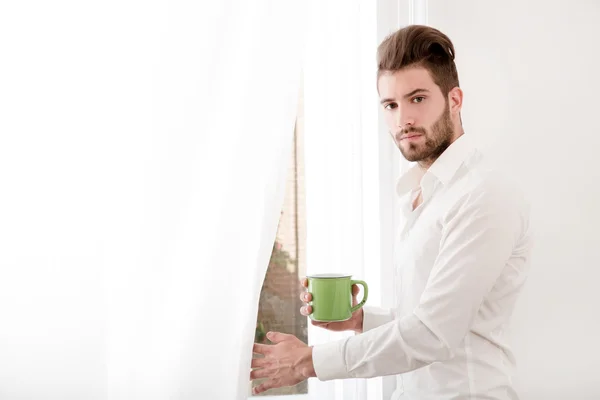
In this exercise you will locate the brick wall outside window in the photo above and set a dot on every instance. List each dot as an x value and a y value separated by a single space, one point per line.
279 306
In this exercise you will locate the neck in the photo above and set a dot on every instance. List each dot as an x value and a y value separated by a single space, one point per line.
425 164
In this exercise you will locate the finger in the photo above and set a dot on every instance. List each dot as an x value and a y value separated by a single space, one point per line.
263 387
305 297
306 310
355 292
260 373
259 348
260 363
304 282
277 337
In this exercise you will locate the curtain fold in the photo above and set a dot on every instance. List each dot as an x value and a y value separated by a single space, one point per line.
341 147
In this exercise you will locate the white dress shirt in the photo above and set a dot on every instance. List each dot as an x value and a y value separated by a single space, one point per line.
461 259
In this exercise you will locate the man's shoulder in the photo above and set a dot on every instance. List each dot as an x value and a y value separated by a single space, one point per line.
484 181
485 174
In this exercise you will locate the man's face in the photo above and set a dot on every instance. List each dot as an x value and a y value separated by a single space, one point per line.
417 114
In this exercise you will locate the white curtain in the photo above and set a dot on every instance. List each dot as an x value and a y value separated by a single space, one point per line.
143 147
341 147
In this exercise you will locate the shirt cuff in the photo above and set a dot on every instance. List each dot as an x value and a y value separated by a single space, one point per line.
375 316
329 361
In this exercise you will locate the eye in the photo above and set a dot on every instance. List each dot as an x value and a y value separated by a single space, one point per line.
418 99
390 106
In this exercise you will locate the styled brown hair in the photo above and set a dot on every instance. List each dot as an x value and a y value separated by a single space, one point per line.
419 46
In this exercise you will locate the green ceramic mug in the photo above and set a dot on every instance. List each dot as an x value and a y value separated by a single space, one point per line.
332 296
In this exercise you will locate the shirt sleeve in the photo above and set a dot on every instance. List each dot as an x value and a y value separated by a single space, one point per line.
479 235
375 316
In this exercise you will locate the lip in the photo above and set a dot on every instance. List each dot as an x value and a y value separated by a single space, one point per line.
410 136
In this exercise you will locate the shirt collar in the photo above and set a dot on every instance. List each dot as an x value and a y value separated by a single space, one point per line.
443 169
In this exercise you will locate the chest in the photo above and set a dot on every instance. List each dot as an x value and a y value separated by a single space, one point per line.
417 246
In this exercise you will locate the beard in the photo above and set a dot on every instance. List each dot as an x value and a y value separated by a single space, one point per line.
436 141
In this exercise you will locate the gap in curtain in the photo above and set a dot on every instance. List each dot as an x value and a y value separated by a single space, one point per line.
279 303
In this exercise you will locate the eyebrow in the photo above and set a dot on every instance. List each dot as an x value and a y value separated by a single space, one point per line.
407 95
410 94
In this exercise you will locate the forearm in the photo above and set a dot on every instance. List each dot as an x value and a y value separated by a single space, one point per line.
399 346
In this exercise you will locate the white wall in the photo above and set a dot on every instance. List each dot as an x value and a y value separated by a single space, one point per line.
529 70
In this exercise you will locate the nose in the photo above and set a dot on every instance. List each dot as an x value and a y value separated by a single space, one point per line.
404 120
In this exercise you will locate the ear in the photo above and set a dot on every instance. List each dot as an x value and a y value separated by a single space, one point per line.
455 100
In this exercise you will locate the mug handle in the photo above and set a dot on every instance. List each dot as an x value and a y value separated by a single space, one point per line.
365 294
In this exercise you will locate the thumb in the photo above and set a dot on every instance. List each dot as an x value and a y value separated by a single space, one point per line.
277 337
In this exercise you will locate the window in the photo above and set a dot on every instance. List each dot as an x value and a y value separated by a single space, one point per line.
279 305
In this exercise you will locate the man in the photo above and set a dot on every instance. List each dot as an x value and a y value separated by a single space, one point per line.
462 251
